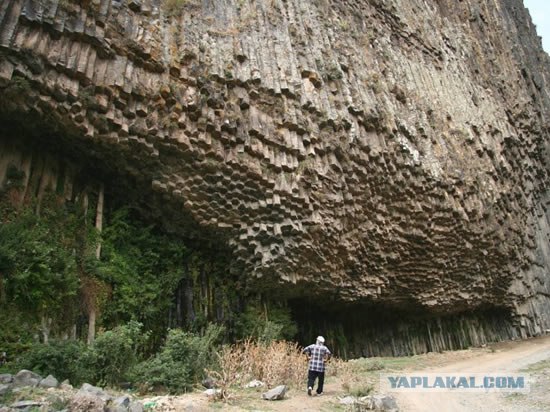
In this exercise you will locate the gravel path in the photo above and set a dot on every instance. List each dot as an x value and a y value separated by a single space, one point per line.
508 357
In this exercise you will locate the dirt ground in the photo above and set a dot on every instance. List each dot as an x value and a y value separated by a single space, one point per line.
529 356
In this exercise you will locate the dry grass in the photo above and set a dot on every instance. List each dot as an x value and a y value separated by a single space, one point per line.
275 363
229 371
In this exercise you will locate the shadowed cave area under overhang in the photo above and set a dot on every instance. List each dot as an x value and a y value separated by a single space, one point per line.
351 329
378 329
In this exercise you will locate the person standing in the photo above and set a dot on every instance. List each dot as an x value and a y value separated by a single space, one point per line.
318 354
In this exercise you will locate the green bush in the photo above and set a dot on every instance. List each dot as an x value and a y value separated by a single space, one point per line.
181 361
59 358
113 353
265 325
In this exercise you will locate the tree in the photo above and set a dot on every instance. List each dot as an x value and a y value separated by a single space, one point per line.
38 272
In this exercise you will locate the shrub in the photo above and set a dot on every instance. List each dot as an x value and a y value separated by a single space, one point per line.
274 363
181 361
113 353
256 323
228 373
59 358
361 390
161 373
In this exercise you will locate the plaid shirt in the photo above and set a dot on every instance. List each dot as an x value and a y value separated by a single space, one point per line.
317 354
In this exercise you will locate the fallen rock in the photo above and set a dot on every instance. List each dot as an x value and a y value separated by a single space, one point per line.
49 382
122 401
66 386
348 400
364 403
120 404
135 407
26 378
275 394
87 389
211 393
4 389
88 402
254 384
384 403
6 378
26 405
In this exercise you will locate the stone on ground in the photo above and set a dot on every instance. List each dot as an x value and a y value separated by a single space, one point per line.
212 393
348 400
275 394
49 382
85 401
254 384
4 389
88 389
26 405
6 378
26 378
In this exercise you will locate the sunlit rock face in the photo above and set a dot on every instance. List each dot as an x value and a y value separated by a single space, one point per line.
391 152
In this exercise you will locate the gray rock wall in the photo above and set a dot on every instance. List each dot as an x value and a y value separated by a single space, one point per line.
382 151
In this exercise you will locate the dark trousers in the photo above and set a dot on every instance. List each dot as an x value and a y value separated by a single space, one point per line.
311 376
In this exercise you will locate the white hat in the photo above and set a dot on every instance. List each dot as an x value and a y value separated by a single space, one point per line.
320 339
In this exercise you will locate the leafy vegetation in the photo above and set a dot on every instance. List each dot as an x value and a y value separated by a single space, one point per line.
265 324
59 358
181 361
37 265
110 357
162 306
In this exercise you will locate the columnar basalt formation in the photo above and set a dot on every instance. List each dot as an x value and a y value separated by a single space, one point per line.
372 151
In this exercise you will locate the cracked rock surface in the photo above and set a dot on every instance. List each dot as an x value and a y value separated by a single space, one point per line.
375 150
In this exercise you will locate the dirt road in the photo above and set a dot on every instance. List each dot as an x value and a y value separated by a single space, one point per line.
507 357
500 358
529 356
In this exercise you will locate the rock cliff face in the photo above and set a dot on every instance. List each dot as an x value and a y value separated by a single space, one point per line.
377 153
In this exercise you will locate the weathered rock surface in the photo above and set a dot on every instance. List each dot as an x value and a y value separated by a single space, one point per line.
371 403
87 389
26 378
4 388
389 151
6 378
26 405
275 394
49 382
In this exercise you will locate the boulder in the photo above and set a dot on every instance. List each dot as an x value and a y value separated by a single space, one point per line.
275 394
119 404
384 403
135 407
6 378
84 401
49 382
26 378
4 389
66 385
122 401
87 389
212 393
